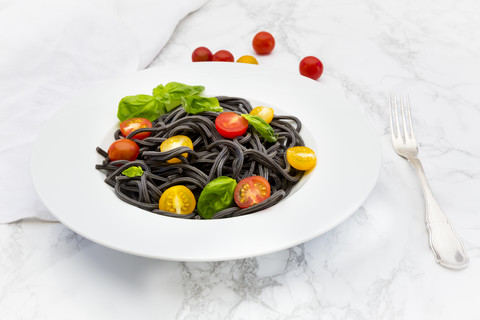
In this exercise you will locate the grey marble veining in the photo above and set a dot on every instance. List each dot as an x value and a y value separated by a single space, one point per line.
376 264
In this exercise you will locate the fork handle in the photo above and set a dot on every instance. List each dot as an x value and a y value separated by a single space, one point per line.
446 245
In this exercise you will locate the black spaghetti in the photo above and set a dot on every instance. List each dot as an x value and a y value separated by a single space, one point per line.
212 156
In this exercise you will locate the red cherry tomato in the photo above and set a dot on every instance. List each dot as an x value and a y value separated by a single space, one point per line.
223 55
263 43
130 125
231 125
123 149
311 67
250 191
201 54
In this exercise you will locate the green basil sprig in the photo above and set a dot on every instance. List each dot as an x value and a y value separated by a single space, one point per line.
196 104
172 93
265 130
133 171
140 106
164 99
216 196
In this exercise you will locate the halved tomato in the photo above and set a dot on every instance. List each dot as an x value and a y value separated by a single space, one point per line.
123 149
265 113
251 190
301 158
130 125
175 142
231 125
177 199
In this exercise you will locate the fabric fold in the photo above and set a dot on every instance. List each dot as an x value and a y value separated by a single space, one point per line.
51 51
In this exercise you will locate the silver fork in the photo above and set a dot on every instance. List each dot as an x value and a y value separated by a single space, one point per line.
444 242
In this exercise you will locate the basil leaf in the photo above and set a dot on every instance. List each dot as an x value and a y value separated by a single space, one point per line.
133 171
265 130
140 106
216 196
196 104
172 93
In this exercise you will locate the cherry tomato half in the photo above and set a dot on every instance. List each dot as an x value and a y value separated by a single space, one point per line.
250 191
123 149
175 142
311 67
130 125
231 125
177 199
265 113
301 158
247 59
201 54
263 43
223 55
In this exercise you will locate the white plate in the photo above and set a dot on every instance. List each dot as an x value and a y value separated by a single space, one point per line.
348 163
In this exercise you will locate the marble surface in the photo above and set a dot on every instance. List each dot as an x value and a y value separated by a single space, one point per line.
375 265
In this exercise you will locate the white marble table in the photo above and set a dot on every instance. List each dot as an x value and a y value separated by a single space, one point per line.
375 265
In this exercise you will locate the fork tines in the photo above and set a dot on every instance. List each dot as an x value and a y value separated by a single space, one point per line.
395 130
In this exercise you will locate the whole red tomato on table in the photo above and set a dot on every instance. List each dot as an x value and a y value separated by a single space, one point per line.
263 43
223 55
311 67
202 54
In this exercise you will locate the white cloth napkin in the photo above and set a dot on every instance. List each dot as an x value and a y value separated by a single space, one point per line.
51 50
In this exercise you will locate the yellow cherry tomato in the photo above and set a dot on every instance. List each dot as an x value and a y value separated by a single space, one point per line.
265 113
301 158
176 142
247 59
177 199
